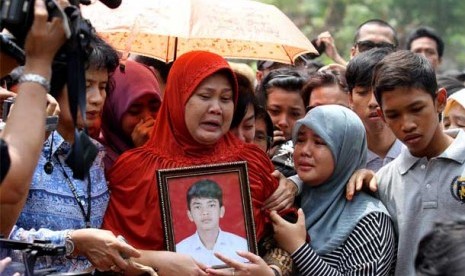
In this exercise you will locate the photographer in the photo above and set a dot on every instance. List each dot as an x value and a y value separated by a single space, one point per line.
21 140
23 135
59 207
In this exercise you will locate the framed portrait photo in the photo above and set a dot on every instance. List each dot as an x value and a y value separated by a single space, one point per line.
208 209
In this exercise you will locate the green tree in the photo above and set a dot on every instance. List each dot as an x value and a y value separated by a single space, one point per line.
341 18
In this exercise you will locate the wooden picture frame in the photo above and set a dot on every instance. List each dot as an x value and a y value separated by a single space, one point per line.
188 230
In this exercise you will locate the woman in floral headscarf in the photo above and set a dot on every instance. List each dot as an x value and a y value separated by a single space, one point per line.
192 128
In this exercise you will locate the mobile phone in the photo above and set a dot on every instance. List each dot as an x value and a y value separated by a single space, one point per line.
277 143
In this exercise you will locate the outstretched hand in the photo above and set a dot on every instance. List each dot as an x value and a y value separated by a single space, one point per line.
283 197
103 249
172 263
290 236
361 178
256 267
330 47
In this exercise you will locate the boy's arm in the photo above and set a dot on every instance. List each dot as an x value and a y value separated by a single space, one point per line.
295 179
283 197
362 178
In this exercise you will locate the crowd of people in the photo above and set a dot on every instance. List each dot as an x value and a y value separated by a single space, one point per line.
354 168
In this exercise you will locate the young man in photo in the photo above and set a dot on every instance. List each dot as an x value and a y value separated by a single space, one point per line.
205 208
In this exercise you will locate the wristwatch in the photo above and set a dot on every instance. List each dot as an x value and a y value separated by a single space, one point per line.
69 245
275 271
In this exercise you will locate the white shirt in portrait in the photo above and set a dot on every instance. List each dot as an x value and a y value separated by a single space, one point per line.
226 244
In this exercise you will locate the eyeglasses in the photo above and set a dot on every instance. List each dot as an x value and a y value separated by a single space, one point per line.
366 45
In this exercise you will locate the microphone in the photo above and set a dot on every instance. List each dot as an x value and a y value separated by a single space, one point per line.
112 4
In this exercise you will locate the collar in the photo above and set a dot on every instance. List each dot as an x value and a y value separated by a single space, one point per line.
59 145
455 152
392 153
198 243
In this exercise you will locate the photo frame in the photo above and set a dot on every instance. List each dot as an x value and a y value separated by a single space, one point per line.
186 224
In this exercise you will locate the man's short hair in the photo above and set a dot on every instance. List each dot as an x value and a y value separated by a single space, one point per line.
450 83
323 79
360 68
403 69
204 188
377 22
426 32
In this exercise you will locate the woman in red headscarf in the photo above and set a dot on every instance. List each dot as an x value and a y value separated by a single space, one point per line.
192 128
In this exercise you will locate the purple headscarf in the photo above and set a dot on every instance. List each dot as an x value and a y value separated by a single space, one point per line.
136 81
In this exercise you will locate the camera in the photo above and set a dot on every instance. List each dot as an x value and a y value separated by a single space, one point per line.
51 122
30 253
17 15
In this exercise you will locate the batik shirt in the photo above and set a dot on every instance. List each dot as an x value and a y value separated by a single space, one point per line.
51 209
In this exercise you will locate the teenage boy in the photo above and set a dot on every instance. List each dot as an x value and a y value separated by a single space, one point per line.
383 147
424 184
205 208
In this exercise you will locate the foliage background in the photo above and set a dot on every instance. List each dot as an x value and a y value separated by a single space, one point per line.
342 17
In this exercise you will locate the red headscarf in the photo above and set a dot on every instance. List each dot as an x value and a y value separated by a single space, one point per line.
134 209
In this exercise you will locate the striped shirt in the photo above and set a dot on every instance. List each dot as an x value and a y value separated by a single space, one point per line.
369 250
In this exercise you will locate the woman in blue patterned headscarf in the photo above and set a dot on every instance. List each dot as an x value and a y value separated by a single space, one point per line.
346 237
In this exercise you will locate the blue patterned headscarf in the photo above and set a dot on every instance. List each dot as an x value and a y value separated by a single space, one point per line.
330 218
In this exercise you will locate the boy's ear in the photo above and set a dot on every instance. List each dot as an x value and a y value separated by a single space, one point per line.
222 211
380 113
189 215
351 101
441 99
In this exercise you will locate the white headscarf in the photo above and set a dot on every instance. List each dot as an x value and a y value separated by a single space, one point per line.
458 97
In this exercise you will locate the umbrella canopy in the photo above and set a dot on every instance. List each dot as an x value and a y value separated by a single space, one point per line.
164 29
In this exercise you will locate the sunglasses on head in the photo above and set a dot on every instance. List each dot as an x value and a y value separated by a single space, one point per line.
366 45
